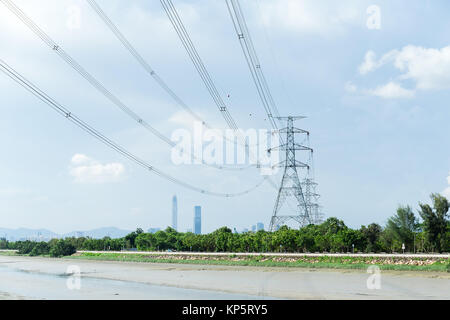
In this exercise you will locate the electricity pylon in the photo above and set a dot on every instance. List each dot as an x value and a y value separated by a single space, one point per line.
302 192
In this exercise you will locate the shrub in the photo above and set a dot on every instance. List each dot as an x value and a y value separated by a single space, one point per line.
40 248
62 248
25 247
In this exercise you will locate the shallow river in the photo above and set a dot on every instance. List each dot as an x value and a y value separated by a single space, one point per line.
46 278
18 284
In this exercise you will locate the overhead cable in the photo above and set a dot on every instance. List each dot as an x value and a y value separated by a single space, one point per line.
96 83
14 75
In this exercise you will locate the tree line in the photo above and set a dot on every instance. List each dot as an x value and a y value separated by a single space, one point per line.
432 234
53 248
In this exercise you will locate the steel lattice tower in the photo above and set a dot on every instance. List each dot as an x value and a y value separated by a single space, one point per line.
301 191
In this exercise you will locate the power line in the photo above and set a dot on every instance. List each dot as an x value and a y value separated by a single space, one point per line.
145 65
14 75
275 59
254 65
184 36
310 202
182 33
97 84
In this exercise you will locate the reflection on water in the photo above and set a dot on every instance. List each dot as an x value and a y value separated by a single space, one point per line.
45 286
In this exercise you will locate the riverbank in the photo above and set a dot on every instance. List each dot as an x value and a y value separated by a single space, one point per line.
430 263
398 262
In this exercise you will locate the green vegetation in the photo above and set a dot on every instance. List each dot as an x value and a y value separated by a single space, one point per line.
432 235
54 248
402 227
435 223
62 248
40 249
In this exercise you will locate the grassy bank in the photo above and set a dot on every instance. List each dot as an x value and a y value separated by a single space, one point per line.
8 253
405 264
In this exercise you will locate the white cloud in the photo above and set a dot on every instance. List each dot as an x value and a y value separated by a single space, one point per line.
446 192
369 63
429 68
309 16
87 170
391 90
79 159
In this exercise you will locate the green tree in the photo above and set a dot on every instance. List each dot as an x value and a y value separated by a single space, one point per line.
332 226
435 222
191 242
402 226
372 234
172 238
285 239
145 242
25 247
4 244
260 241
62 248
161 242
40 248
131 237
306 239
222 239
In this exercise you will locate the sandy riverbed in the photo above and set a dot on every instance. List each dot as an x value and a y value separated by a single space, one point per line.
36 277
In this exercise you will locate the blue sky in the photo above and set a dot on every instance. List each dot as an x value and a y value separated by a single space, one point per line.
376 102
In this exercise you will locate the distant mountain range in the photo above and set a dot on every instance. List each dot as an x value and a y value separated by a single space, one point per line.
44 234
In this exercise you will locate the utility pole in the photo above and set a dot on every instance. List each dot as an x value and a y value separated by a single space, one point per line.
292 189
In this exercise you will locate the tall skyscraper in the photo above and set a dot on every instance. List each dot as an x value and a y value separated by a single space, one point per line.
197 219
174 213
